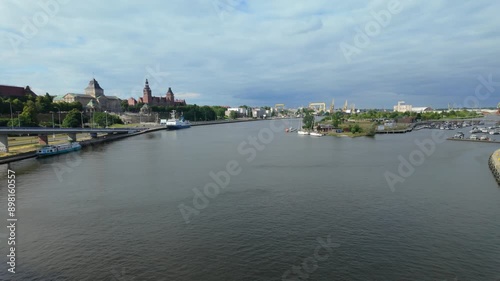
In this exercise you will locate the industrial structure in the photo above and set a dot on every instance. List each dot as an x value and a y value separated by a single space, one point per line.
318 106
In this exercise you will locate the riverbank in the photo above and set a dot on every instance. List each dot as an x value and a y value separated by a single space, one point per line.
110 138
494 164
84 143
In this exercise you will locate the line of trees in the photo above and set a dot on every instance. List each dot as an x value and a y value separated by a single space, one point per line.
374 114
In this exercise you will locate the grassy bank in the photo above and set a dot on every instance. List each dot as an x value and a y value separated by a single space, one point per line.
354 129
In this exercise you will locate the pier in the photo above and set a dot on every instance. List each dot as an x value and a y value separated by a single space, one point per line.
469 140
494 164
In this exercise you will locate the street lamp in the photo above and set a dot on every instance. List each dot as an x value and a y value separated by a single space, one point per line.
11 116
106 116
59 118
81 114
53 132
18 120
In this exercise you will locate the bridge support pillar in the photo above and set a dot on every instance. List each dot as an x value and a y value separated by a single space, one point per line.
72 137
43 140
4 143
93 135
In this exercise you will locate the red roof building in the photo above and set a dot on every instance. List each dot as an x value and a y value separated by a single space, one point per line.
13 91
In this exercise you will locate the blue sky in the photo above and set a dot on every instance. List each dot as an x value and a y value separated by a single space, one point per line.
260 52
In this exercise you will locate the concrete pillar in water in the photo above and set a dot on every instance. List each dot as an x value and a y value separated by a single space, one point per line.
72 136
43 140
4 143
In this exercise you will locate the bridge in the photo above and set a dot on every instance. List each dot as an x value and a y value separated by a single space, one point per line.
71 132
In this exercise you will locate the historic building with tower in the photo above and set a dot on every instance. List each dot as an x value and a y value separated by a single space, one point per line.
93 99
149 99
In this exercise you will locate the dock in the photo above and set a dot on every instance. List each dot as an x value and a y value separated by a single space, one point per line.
494 164
469 140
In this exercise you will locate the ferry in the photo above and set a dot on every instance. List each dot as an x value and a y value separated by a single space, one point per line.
176 124
49 150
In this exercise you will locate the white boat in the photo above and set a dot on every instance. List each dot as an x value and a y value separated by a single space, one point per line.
302 131
313 133
176 124
473 137
49 150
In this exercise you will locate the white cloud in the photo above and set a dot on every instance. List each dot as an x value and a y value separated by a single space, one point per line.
260 52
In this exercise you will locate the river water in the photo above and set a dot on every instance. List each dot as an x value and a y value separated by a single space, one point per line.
149 208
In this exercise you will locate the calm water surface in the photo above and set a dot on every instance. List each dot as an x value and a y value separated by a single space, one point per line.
112 212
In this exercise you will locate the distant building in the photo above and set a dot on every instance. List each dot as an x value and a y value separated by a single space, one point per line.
93 99
132 102
15 92
402 107
421 109
241 112
147 98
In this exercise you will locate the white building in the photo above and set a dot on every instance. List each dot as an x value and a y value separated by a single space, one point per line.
239 110
402 107
421 109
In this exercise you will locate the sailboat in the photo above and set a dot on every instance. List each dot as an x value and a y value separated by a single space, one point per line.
301 131
315 134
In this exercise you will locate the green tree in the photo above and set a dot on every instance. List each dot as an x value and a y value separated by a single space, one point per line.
124 105
219 111
308 121
28 117
355 129
73 119
100 118
233 115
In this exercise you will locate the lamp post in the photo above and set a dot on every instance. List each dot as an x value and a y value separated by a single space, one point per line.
11 116
53 125
106 116
59 118
18 120
81 114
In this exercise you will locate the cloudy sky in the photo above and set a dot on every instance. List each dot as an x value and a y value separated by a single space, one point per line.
259 52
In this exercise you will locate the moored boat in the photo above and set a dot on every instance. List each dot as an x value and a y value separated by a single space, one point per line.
316 134
176 124
49 150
